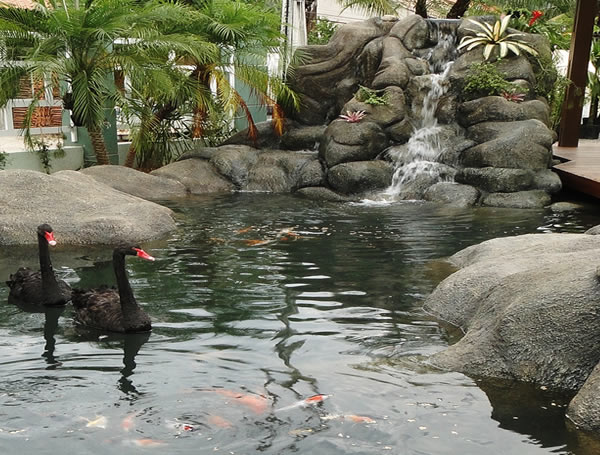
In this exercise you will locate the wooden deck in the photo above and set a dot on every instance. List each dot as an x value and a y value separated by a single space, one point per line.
580 167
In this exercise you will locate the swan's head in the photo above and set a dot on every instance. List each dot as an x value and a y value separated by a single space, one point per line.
133 250
45 230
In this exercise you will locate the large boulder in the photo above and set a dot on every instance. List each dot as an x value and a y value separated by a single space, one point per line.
499 109
136 183
528 305
360 176
79 208
453 194
197 175
525 144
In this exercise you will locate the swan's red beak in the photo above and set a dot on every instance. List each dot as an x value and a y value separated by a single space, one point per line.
50 238
142 254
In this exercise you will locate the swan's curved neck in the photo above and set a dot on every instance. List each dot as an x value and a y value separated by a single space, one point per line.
125 292
48 278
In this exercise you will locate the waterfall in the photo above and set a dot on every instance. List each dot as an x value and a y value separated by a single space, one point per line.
417 159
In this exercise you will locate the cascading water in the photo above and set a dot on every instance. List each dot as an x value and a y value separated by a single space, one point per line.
418 158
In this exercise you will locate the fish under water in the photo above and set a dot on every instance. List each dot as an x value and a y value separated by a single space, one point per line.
304 403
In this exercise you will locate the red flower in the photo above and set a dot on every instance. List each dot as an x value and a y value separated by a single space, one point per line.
535 15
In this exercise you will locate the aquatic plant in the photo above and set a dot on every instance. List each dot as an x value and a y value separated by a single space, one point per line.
495 37
354 116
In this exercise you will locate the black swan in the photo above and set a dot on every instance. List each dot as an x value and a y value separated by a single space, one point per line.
40 287
111 309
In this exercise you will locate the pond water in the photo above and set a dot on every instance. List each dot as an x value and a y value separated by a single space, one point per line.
259 302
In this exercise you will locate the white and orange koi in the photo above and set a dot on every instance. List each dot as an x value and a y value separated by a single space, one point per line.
257 403
306 402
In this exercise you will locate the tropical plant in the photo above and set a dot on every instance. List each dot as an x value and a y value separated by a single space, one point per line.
80 46
243 33
514 96
485 79
493 37
354 116
369 96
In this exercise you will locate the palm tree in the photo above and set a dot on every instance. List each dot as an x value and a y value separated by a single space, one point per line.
243 33
81 46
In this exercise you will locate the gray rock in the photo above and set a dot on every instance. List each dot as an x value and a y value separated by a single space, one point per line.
402 131
547 180
523 145
499 109
519 323
360 176
496 180
197 175
392 112
79 208
330 64
311 174
584 408
136 183
266 137
565 207
453 194
593 230
280 171
533 199
320 193
234 162
345 142
302 137
412 30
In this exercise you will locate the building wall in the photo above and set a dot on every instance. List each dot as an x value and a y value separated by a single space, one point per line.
331 10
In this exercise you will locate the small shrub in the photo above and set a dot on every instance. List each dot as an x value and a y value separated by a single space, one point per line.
370 96
485 79
3 160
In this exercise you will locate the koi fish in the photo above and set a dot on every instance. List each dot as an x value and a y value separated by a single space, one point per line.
220 422
352 417
148 442
257 403
306 402
127 424
255 242
244 230
98 422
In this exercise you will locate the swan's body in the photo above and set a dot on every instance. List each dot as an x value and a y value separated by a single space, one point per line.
40 287
107 308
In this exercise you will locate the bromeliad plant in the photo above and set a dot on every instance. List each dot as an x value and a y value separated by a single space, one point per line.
354 116
493 37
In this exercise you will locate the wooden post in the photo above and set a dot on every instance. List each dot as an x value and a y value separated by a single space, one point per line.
579 57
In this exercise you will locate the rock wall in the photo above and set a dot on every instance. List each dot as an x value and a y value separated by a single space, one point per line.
494 151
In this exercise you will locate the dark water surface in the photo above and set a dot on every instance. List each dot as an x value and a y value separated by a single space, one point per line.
258 302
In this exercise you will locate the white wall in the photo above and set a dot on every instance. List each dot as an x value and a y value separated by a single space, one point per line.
331 10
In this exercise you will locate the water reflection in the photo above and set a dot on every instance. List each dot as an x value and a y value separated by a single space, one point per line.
51 317
130 343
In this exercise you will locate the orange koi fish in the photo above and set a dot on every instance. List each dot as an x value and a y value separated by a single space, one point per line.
306 402
220 422
257 403
127 424
148 442
244 230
